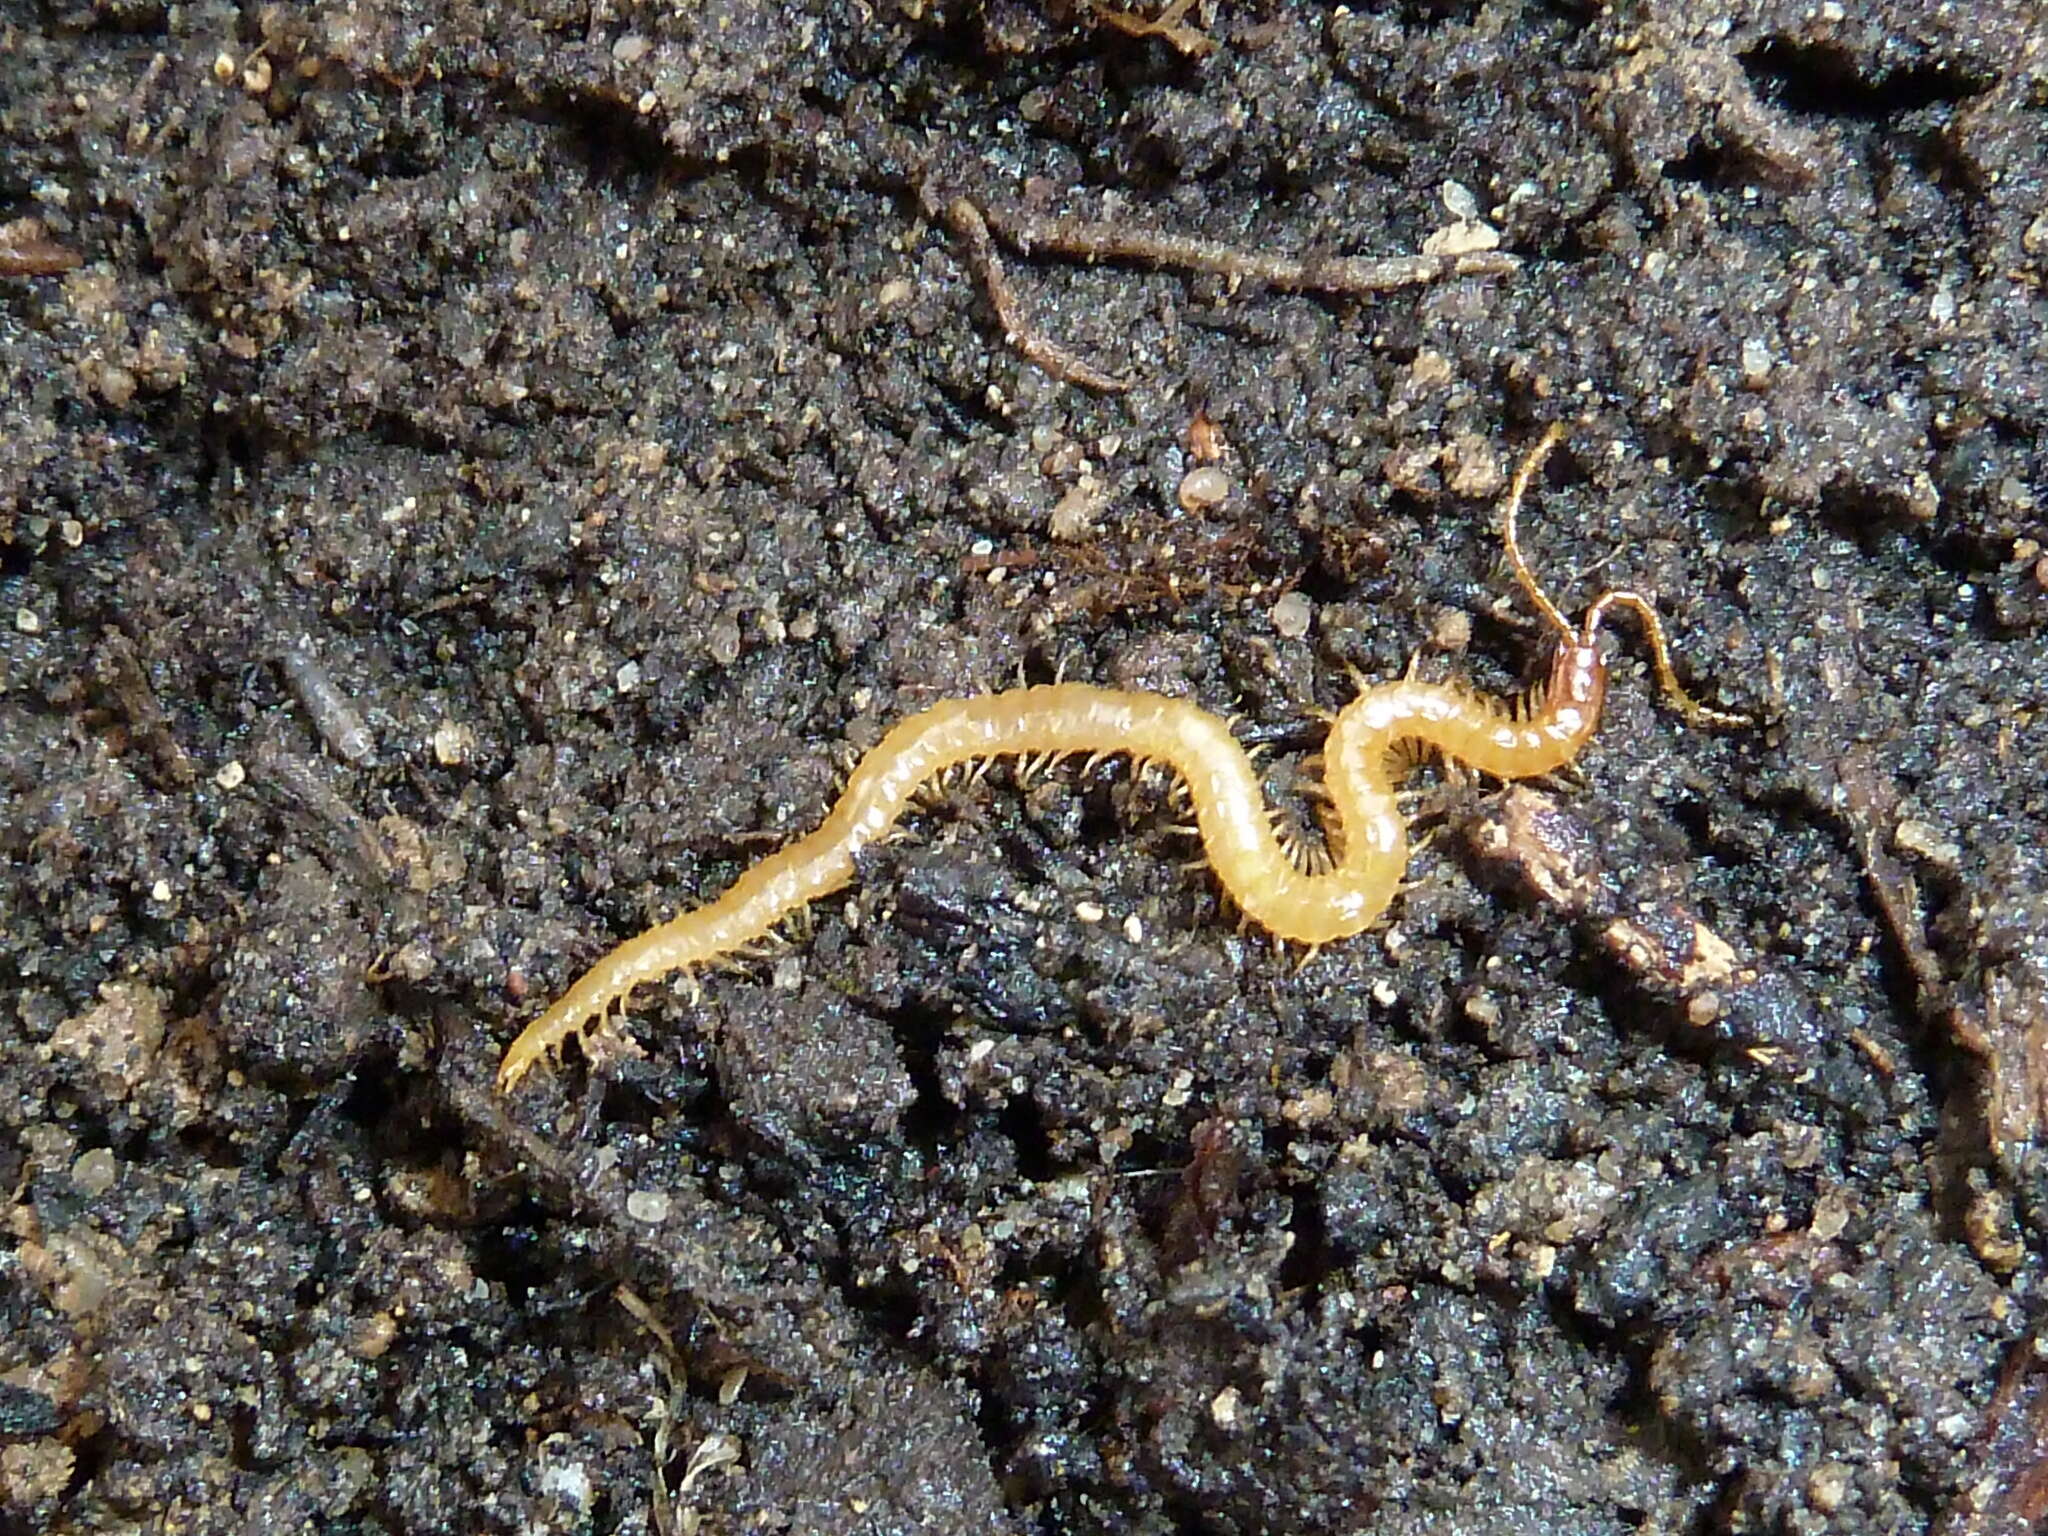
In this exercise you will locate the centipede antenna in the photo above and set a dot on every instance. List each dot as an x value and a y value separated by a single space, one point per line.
1691 708
1532 461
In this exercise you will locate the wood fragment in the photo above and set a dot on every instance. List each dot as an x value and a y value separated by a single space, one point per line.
1666 953
1167 26
2007 1494
1996 1010
26 250
118 668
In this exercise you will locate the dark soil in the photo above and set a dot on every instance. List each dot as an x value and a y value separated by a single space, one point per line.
469 470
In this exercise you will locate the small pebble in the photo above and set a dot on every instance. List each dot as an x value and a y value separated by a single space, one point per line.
1827 1485
1203 488
453 743
372 1337
648 1205
1451 631
1293 615
1474 468
94 1172
1225 1408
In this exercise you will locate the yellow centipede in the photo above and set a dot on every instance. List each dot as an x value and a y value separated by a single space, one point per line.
1372 742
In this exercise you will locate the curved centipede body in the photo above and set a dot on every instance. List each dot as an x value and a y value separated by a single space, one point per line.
1372 742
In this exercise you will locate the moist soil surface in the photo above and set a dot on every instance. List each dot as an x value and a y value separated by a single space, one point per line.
473 473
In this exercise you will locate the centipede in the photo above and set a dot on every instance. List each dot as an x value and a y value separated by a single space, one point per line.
1373 742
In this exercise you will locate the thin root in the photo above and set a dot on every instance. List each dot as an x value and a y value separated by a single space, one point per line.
1068 367
1106 240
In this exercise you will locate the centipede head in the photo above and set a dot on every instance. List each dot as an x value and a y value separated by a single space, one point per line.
1579 675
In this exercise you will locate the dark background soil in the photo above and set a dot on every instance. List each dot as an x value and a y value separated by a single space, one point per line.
467 471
